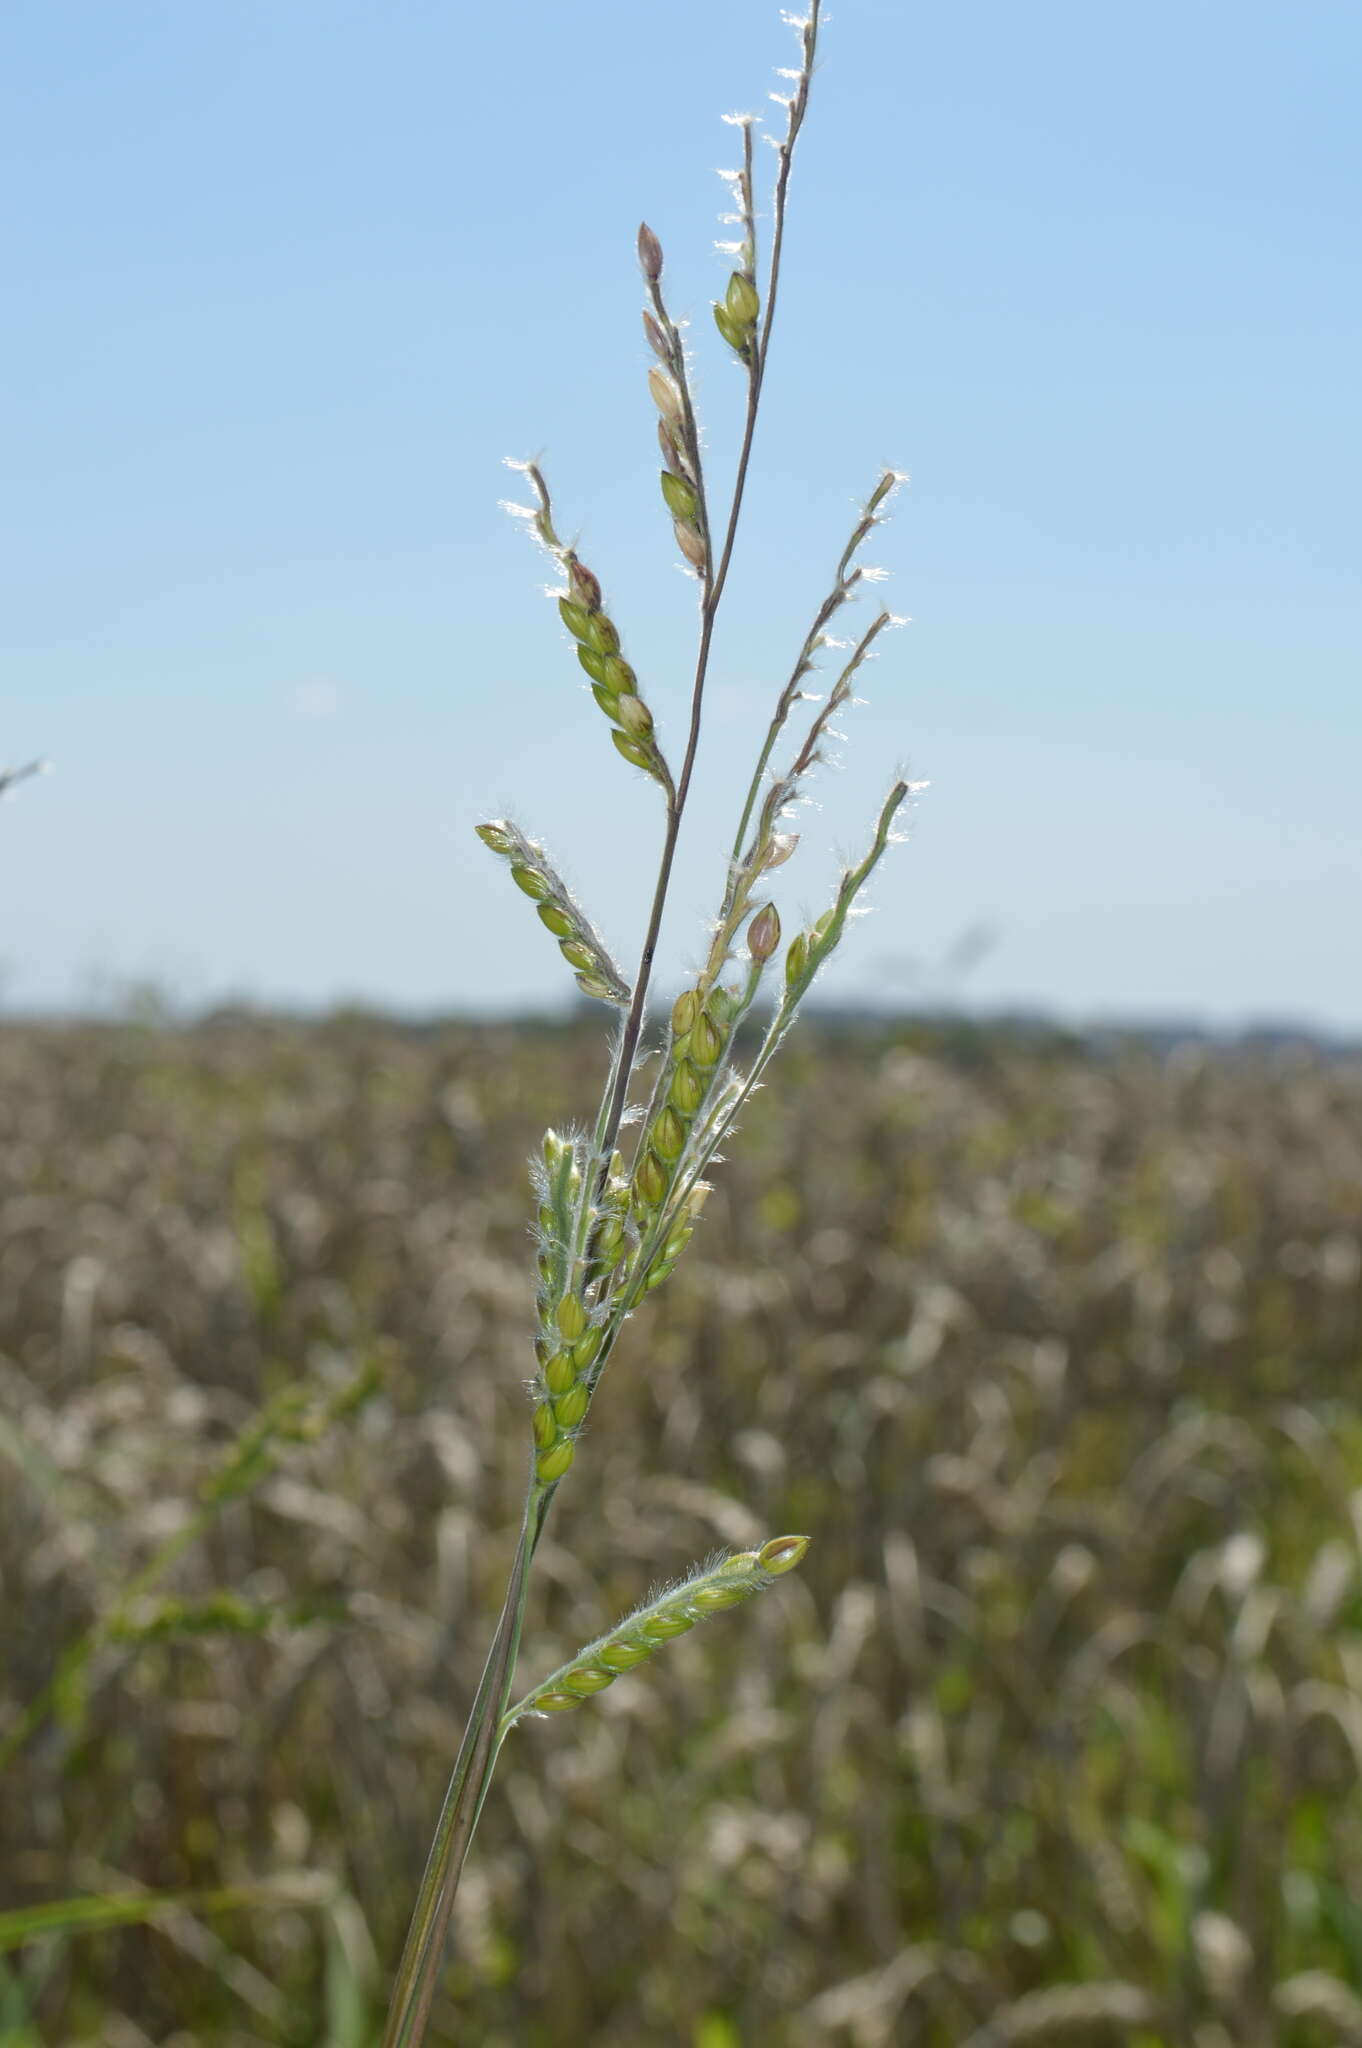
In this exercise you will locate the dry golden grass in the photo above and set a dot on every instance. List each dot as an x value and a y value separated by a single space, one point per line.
1056 1736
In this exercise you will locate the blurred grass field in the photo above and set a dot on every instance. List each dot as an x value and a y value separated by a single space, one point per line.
1054 1349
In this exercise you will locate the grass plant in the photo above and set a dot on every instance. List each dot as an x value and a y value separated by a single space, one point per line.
617 1203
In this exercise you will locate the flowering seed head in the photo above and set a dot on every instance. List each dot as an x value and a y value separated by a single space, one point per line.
649 253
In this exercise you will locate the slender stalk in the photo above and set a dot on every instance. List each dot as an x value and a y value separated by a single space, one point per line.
423 1956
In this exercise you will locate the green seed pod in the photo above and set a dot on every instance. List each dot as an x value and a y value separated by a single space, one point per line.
558 921
575 617
634 752
823 924
713 1599
601 634
587 1347
571 1317
650 1180
556 1702
543 1350
669 1135
594 664
706 1041
634 715
623 1656
796 960
572 1406
497 837
679 495
577 955
607 700
722 1005
618 676
782 1554
551 1465
687 1091
661 1628
685 1010
531 881
592 985
763 934
674 1246
545 1427
737 337
546 1269
587 1679
560 1372
742 300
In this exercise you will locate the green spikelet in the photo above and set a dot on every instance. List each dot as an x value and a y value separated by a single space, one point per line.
578 941
712 1589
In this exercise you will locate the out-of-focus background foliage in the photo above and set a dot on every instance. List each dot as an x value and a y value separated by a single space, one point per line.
1052 1346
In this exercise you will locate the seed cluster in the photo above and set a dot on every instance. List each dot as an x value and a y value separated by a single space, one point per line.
614 684
578 942
632 1641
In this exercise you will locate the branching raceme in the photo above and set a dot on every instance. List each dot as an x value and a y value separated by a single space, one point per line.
610 1227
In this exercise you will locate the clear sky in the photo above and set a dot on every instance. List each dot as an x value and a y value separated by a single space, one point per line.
285 282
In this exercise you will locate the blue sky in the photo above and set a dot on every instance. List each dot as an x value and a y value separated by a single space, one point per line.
287 283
